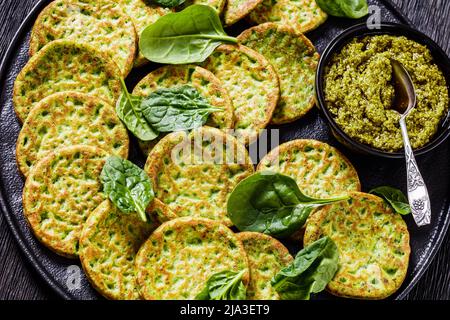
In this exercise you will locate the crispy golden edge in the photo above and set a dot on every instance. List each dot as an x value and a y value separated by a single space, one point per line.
33 45
40 105
110 65
273 155
232 16
284 29
159 212
39 167
154 163
181 223
37 36
310 237
218 86
273 96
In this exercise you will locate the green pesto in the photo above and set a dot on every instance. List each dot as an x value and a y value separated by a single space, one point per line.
359 92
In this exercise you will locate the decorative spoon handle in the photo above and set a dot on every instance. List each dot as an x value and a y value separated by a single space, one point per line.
418 197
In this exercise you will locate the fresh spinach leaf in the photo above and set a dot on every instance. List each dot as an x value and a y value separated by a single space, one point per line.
394 197
128 109
272 203
187 36
225 285
354 9
310 272
176 109
127 186
169 3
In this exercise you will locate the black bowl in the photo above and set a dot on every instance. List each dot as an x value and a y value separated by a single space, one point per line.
361 30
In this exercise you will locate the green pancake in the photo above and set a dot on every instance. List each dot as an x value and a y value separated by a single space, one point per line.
302 15
59 194
142 13
219 5
266 257
204 81
194 174
252 84
320 170
238 9
159 212
65 65
94 22
69 118
373 245
295 60
182 254
109 243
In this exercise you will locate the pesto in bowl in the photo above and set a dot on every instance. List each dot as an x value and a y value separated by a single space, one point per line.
359 92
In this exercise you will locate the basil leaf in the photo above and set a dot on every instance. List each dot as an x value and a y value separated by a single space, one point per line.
271 203
128 109
225 285
127 186
310 272
176 109
394 197
184 37
354 9
169 3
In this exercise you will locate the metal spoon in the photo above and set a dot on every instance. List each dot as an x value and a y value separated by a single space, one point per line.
405 101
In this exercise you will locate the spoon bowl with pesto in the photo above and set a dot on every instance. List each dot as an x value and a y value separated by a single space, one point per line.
357 93
405 101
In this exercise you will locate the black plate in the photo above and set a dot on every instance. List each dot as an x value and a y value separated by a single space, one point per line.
373 172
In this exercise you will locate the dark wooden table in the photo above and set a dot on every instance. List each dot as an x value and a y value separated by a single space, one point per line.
19 281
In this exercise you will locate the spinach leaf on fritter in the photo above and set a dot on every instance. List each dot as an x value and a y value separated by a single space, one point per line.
345 8
310 272
128 109
188 36
394 197
176 109
225 285
127 186
272 203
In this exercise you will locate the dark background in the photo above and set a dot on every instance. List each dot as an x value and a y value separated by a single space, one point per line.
19 281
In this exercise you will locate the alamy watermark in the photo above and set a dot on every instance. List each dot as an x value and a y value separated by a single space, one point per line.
208 147
73 278
374 19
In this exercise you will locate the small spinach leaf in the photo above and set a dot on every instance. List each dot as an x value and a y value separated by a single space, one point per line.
127 186
394 197
184 37
310 272
345 8
128 109
225 285
271 203
176 109
169 3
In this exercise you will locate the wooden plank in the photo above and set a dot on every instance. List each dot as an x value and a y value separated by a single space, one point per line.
431 17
